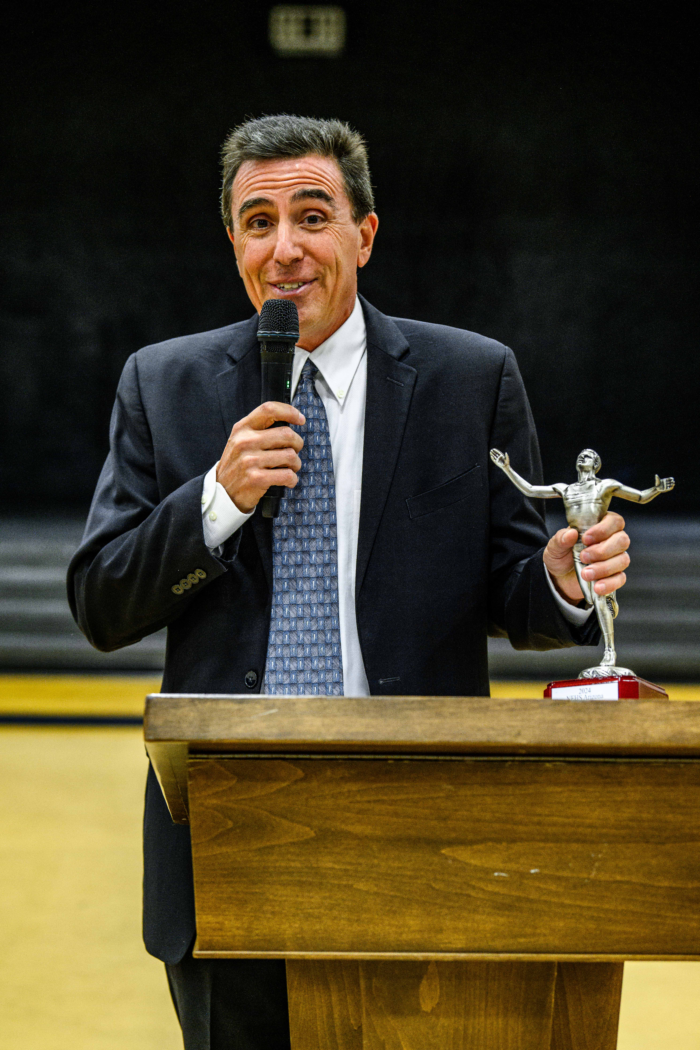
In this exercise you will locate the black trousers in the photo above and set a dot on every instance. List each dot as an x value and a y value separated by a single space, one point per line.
231 1004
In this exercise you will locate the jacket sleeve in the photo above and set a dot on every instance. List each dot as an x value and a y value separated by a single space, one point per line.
142 557
521 604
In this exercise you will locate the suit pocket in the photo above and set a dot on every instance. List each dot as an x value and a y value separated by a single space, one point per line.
446 494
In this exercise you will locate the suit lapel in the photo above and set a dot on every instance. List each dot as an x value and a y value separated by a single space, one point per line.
239 384
390 383
239 393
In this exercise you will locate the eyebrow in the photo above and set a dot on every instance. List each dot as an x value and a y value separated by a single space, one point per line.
254 202
317 195
300 195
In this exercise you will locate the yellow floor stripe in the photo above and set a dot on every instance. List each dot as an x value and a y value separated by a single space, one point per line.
107 695
76 694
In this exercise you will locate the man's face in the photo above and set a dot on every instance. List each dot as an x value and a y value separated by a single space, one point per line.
295 238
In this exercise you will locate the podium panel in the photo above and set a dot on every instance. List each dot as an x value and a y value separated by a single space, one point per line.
400 857
434 1005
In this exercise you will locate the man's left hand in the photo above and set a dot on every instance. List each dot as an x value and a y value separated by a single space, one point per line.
605 558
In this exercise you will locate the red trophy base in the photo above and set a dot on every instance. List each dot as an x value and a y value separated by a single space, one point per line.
628 687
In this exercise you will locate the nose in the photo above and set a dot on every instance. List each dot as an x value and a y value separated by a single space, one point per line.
288 250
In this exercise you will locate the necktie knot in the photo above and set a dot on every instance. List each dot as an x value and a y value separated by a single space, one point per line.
308 373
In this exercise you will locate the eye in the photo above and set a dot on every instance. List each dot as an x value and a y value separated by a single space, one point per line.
259 223
314 219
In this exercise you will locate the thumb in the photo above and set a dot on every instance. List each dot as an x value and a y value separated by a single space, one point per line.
560 546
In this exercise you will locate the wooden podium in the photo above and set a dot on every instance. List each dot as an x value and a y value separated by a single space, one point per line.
440 873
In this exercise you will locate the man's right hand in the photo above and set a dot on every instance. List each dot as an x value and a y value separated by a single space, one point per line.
258 455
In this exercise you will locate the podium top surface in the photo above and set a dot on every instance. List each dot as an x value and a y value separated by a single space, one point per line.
423 725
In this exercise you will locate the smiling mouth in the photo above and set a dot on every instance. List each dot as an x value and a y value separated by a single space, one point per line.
291 287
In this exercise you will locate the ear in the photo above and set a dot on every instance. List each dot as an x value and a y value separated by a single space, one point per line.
229 231
368 230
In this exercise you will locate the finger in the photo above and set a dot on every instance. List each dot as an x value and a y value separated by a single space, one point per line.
608 525
272 459
271 412
561 543
610 584
276 437
610 567
262 479
617 543
558 554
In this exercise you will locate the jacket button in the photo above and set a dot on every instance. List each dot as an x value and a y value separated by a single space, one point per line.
251 679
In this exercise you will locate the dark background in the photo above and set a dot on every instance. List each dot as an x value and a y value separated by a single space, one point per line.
535 168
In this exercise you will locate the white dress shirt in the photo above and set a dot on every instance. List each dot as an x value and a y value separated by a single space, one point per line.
341 384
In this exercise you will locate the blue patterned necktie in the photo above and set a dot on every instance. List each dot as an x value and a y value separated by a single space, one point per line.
303 651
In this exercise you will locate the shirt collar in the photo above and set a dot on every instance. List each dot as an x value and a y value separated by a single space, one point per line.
338 357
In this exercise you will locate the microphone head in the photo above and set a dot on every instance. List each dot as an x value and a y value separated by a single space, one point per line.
279 319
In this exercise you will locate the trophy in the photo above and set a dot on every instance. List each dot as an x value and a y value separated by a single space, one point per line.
586 502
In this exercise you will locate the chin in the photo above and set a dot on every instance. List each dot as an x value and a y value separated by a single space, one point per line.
308 316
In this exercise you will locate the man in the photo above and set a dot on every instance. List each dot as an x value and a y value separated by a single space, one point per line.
423 545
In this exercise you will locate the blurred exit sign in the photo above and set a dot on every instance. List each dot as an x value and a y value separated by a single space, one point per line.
308 32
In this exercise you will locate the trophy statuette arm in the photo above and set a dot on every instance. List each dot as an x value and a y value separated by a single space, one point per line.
502 460
645 495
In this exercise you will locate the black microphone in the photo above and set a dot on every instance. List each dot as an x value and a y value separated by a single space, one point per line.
278 334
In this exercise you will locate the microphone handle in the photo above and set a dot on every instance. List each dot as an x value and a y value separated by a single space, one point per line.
277 361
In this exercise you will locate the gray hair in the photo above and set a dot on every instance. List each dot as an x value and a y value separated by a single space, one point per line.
282 136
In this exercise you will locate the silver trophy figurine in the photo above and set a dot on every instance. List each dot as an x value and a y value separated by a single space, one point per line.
586 502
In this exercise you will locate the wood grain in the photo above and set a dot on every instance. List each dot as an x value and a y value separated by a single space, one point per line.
425 725
457 1006
177 724
325 1005
524 857
587 1006
420 1006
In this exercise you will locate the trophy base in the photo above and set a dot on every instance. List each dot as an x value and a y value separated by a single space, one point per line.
607 671
613 687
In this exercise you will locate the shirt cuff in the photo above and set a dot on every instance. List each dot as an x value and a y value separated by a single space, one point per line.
220 515
572 613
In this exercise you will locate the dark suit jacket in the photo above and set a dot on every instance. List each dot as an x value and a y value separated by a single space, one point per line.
448 548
